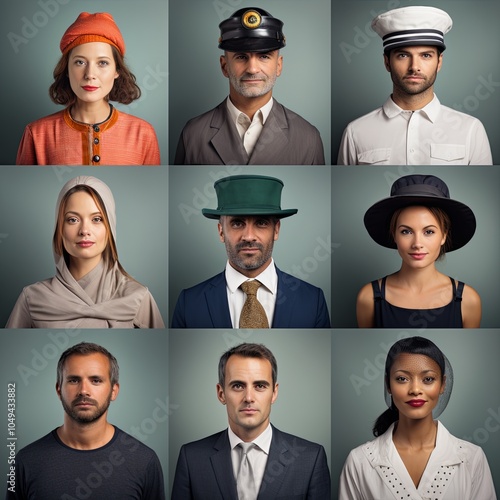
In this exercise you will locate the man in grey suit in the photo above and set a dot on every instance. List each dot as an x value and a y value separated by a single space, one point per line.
250 127
251 459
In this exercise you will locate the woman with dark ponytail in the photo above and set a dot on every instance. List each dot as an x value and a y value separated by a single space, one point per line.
414 456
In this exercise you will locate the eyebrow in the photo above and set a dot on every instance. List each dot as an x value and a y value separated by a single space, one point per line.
78 213
425 227
421 373
259 382
84 57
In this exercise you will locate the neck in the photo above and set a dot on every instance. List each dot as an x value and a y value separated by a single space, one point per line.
417 279
413 102
90 112
415 433
85 436
252 273
249 105
249 435
80 267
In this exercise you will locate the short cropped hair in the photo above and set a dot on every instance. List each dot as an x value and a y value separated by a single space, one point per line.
84 349
248 351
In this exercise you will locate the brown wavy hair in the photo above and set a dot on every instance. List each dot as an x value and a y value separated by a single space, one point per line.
125 89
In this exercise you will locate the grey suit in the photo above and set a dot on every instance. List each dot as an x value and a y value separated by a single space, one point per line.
286 139
296 469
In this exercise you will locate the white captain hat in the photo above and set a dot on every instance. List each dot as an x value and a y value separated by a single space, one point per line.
414 25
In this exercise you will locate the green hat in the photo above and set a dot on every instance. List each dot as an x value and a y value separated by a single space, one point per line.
248 195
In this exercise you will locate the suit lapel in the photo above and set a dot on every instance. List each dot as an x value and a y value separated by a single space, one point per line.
223 468
285 301
218 307
273 141
225 139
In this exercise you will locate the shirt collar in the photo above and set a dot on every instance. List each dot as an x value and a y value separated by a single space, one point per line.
431 110
268 278
262 113
263 441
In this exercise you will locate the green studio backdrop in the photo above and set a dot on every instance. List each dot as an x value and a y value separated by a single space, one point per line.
359 260
469 80
196 83
473 412
303 404
28 198
304 245
31 32
29 359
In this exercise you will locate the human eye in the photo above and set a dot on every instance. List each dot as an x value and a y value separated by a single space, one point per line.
401 379
71 219
236 223
72 380
263 223
237 386
429 380
97 218
103 63
405 231
97 381
79 62
261 387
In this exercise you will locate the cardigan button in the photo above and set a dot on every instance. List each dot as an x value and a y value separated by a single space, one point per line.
96 140
96 158
96 128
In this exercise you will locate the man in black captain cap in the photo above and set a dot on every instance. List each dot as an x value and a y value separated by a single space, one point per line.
250 127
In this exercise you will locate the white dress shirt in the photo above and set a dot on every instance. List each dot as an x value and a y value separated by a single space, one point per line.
456 470
249 130
257 457
266 294
433 135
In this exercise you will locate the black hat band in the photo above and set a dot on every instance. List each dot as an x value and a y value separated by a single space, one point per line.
420 190
256 33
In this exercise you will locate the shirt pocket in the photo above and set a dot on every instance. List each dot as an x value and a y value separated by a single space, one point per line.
375 156
448 154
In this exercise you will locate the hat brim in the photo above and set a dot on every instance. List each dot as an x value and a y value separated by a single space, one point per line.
280 214
377 218
251 45
415 43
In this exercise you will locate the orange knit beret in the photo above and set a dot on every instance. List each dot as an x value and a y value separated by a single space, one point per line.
98 27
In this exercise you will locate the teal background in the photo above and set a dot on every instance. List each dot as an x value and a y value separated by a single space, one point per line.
28 197
360 357
359 260
24 97
303 404
143 382
196 81
197 254
362 84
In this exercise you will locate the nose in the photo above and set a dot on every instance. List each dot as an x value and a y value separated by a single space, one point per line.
89 71
413 65
252 64
416 241
414 388
249 397
249 233
83 229
84 388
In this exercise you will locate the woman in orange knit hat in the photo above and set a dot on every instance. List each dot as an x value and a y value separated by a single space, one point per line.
90 131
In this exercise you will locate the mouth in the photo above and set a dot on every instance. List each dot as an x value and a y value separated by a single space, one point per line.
85 243
417 256
416 403
248 411
89 88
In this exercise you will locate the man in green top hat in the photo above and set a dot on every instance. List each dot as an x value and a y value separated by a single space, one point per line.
252 292
250 127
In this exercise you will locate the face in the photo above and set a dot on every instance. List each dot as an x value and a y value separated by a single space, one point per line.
92 71
248 395
86 389
415 384
413 69
418 237
84 233
251 74
249 242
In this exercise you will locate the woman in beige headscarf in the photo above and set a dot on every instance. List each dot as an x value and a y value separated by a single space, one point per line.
90 289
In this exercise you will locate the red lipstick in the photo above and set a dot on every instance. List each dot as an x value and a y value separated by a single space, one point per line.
416 403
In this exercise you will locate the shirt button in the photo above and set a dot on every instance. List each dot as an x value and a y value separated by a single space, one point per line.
96 140
96 158
96 128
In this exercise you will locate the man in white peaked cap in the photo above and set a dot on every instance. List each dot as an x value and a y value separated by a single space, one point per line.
413 127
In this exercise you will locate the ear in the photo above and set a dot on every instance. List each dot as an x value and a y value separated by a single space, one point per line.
115 391
277 227
58 390
443 241
223 66
221 232
220 394
279 67
387 62
440 62
275 393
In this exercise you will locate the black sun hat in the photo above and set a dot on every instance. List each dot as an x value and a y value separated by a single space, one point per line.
420 190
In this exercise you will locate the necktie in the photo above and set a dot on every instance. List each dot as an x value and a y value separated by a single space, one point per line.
245 482
252 314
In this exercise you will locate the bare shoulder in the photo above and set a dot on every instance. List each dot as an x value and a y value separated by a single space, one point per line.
365 307
471 308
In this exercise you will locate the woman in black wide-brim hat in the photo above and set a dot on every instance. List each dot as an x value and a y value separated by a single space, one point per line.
422 222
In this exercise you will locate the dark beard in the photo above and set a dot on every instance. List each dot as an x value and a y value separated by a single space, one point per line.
88 416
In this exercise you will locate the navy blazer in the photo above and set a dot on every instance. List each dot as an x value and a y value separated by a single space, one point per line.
296 469
286 139
298 305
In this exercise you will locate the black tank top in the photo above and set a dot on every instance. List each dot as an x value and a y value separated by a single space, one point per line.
389 316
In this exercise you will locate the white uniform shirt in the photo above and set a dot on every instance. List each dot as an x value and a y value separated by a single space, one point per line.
249 130
433 135
456 470
266 294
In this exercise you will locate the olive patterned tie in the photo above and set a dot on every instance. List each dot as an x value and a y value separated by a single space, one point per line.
252 314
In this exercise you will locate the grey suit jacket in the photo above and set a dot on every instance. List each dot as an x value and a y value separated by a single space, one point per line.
286 139
296 469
